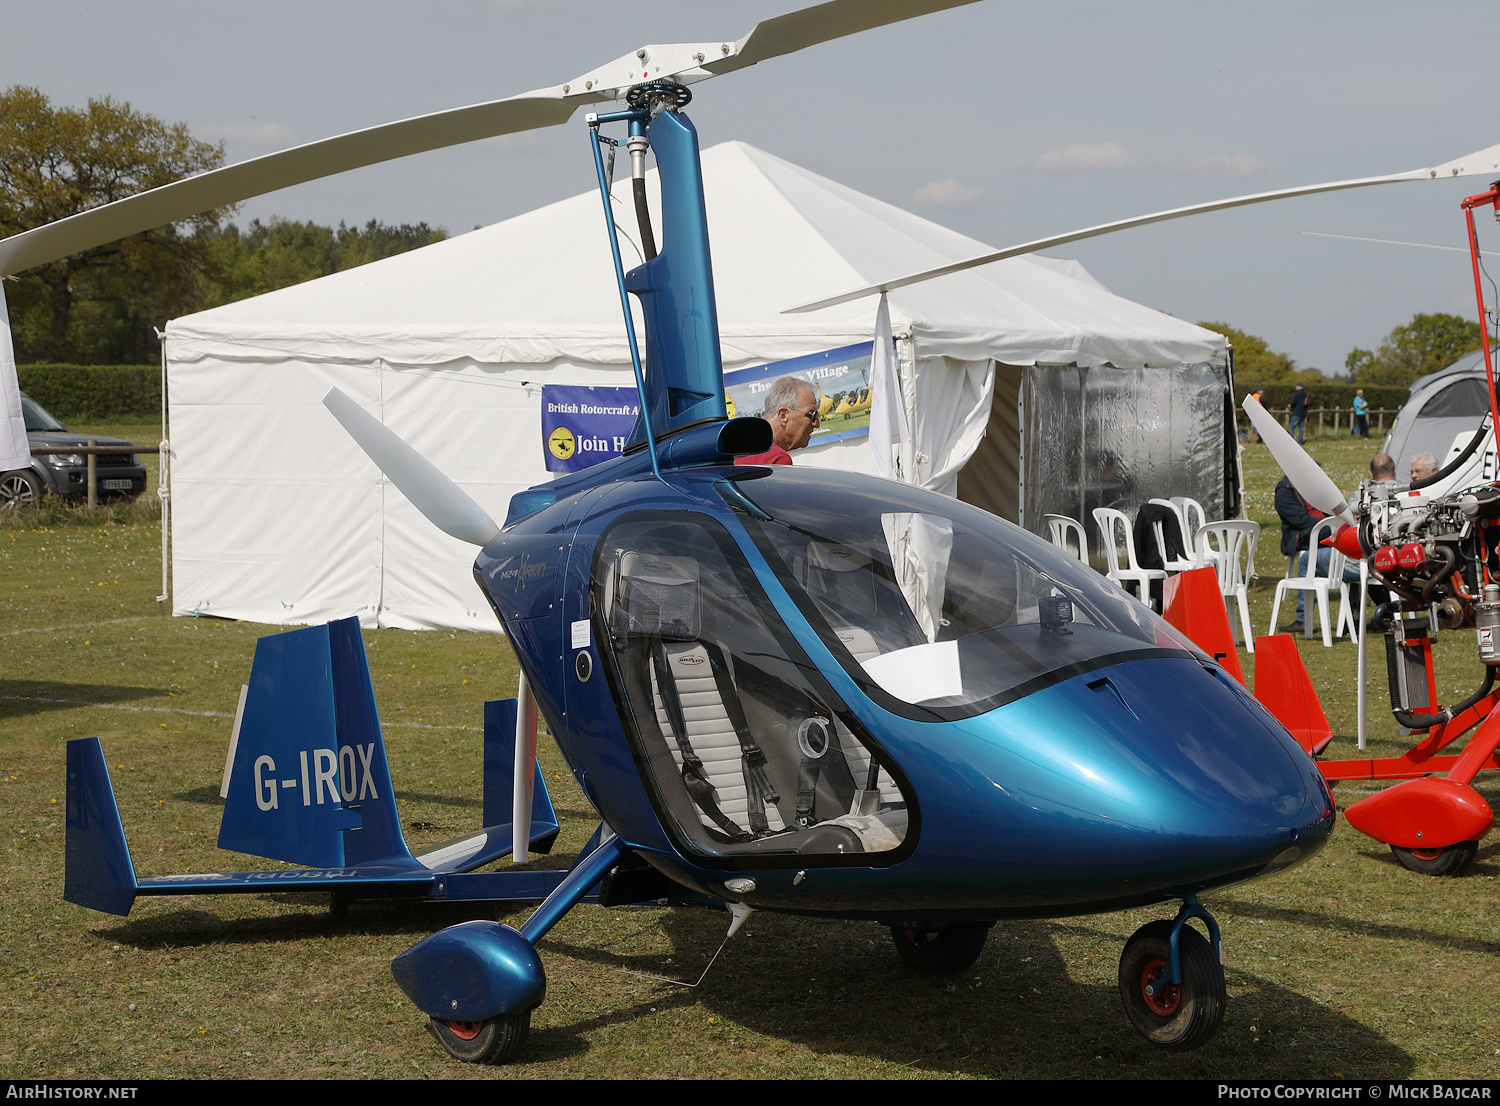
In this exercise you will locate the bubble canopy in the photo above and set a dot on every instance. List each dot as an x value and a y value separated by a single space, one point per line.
939 610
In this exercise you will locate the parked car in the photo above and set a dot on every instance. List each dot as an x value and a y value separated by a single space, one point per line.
66 474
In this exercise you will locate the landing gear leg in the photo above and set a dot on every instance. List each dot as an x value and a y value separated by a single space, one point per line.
1174 997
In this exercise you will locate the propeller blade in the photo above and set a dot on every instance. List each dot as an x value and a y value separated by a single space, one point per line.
1311 482
545 107
1480 162
446 505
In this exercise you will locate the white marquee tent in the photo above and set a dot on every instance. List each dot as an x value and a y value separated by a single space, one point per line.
278 517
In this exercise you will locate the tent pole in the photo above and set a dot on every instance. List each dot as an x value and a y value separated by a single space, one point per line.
163 480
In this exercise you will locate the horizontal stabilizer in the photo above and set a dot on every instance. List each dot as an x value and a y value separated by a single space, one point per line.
373 880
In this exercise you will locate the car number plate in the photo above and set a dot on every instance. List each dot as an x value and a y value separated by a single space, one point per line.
117 485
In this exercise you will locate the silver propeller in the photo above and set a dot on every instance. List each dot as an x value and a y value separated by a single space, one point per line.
446 505
684 62
1484 161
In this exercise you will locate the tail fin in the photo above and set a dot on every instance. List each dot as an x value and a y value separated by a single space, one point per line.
97 871
309 782
499 776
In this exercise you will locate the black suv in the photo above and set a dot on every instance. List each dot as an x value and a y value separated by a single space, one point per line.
66 474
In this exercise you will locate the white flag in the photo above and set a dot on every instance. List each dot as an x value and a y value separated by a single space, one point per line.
15 453
887 409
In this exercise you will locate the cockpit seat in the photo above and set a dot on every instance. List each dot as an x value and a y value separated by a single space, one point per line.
698 724
757 761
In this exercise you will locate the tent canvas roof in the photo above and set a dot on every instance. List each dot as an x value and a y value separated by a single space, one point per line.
540 287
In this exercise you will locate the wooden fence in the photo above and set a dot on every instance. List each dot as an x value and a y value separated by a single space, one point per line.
1320 420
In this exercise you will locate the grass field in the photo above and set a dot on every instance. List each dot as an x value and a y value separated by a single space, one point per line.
1347 967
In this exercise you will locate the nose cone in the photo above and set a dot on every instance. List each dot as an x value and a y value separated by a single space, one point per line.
1149 778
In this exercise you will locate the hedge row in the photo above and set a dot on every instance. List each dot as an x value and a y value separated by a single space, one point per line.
93 391
105 391
1278 396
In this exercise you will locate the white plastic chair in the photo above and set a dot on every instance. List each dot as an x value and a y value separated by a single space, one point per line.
1320 586
1115 528
1066 533
1230 547
1175 564
1193 516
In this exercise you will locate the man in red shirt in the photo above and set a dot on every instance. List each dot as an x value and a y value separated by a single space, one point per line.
791 407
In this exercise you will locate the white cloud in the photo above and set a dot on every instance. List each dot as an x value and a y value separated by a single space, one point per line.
1231 166
946 193
256 134
1082 156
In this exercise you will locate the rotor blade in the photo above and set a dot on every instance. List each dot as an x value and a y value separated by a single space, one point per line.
786 34
1482 161
221 187
544 107
446 505
1394 242
1311 482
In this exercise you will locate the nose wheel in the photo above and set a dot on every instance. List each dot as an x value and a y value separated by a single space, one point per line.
1175 1016
492 1041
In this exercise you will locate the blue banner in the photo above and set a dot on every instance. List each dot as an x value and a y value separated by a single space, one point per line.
582 426
840 377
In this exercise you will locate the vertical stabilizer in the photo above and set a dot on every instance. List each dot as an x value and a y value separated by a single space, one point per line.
309 782
97 872
499 775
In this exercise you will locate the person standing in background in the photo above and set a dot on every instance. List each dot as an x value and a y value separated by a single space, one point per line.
1297 424
1259 395
1361 415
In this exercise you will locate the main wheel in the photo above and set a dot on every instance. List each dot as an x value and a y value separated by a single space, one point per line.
1177 1017
1453 860
943 950
19 488
492 1041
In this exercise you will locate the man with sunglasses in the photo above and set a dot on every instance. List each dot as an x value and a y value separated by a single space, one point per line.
791 407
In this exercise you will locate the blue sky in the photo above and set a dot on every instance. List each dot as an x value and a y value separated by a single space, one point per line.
1002 120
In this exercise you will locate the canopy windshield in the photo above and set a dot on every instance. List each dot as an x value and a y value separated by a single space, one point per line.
939 610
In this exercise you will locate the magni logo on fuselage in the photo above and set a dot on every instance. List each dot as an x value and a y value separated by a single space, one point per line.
339 776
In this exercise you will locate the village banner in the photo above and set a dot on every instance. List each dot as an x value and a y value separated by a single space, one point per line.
841 378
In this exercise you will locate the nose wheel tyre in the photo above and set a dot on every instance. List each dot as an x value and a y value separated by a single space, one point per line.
945 950
1453 860
492 1041
1176 1017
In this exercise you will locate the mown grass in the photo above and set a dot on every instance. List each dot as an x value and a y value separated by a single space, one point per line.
1348 967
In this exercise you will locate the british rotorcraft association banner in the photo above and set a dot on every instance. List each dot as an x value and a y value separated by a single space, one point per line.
582 426
841 378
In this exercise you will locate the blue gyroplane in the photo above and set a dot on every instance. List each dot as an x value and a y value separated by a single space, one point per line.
794 690
841 696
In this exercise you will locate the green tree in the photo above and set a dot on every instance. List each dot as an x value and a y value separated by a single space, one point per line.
281 252
99 305
1424 345
1256 363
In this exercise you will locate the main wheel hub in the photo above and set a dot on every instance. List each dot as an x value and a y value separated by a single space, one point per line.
1161 996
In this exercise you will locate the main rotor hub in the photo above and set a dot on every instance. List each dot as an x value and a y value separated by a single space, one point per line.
659 96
